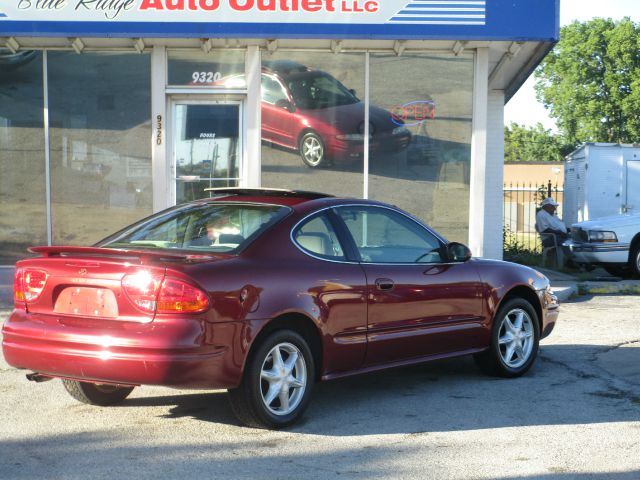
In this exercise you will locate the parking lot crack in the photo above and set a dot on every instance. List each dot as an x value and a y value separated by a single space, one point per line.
571 369
612 386
618 345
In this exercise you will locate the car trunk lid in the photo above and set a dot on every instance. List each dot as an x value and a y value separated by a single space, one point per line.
87 282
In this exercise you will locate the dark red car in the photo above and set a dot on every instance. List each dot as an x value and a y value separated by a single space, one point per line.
312 112
264 293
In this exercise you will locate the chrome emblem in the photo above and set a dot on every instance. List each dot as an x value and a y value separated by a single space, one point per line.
82 271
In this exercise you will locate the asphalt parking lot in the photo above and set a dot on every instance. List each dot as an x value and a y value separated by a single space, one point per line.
575 415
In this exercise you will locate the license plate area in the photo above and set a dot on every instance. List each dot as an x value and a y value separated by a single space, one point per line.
87 302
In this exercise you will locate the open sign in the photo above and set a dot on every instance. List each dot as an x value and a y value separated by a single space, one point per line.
413 113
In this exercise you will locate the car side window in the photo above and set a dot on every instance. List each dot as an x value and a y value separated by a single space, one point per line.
385 236
318 237
271 90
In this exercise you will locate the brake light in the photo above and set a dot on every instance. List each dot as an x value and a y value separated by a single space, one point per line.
178 296
152 294
28 284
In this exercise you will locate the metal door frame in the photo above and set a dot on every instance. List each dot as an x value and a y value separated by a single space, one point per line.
201 99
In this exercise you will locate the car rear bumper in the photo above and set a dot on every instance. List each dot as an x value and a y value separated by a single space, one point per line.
589 253
177 352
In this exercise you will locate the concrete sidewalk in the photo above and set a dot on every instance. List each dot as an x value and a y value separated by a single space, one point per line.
566 286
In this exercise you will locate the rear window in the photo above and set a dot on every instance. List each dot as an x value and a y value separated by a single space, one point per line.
212 227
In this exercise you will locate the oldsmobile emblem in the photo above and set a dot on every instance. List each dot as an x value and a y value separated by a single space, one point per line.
82 271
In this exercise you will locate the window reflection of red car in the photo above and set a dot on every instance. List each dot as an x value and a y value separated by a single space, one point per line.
312 112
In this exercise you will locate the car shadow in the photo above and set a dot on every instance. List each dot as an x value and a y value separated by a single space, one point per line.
208 407
566 386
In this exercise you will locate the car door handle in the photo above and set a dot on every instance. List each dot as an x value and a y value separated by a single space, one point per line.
384 284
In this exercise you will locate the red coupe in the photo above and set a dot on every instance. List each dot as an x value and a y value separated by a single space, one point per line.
264 293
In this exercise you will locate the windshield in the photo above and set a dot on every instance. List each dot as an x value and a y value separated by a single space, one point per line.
210 227
319 90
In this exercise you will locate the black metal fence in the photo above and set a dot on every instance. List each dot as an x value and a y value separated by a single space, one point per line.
520 205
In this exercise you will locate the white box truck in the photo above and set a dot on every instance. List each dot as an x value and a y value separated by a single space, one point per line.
600 180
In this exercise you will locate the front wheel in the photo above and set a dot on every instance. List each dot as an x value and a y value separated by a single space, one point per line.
635 261
312 150
277 382
617 271
515 336
96 393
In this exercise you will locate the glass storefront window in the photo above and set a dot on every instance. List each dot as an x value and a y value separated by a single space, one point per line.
420 113
430 98
100 116
23 218
312 131
313 121
218 68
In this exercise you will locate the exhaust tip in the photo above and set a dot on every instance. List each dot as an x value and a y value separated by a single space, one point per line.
38 377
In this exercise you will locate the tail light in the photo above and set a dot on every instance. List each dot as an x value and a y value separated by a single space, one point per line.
178 296
28 284
153 294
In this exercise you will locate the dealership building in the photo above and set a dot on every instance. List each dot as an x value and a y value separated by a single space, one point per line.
113 109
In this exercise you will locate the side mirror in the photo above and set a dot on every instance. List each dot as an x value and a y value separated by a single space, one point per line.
352 91
457 252
286 104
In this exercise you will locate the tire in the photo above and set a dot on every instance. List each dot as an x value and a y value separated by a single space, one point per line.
624 272
96 393
312 152
634 261
501 359
263 399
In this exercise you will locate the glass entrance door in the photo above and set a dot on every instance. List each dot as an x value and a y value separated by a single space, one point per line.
207 147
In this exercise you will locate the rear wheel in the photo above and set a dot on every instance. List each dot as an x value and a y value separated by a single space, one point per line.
277 382
514 340
96 393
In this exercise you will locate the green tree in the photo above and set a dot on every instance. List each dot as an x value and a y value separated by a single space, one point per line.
590 82
533 144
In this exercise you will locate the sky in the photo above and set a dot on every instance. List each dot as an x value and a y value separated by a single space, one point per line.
523 107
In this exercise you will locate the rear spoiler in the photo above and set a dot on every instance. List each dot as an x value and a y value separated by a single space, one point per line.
145 256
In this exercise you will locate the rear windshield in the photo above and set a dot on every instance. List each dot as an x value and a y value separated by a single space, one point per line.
212 227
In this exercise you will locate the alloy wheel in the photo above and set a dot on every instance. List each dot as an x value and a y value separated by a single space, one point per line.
283 379
516 338
312 150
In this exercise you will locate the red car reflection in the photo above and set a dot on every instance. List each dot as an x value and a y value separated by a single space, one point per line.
312 112
264 293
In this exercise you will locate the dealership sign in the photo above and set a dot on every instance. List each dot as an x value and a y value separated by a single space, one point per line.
398 19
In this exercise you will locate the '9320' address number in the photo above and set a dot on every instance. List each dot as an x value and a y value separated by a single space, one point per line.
206 77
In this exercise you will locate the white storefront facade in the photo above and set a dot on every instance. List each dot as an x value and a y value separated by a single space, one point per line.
113 109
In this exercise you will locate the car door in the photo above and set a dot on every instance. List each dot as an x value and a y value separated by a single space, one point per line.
419 303
277 120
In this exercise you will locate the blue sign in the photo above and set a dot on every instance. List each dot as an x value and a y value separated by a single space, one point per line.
511 20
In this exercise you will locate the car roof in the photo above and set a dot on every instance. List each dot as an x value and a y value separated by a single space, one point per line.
284 66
